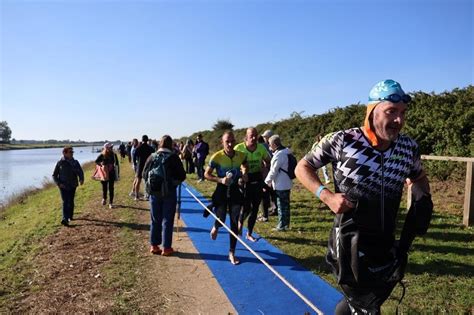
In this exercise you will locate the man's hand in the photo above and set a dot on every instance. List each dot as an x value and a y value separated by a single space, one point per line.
336 202
81 182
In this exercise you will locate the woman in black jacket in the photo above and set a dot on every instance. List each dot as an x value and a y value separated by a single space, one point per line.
65 175
108 159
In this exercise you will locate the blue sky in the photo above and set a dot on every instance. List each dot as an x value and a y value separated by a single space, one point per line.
95 70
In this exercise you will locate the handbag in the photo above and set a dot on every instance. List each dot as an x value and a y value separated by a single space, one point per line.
100 173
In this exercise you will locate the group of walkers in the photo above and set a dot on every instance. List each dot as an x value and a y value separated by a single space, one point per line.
370 166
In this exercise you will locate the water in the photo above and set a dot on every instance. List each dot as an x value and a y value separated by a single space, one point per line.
24 169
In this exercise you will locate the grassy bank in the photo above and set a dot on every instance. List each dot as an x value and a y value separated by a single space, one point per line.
34 215
440 274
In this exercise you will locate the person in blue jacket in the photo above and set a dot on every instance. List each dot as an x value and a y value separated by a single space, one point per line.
68 175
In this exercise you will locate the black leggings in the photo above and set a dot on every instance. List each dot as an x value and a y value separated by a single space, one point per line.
109 183
253 197
234 212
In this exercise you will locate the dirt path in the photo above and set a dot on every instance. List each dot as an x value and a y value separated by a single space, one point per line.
70 277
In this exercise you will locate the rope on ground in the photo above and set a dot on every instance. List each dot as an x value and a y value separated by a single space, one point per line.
276 273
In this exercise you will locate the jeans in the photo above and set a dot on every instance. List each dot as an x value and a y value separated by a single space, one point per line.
110 184
283 202
234 212
162 211
253 197
67 195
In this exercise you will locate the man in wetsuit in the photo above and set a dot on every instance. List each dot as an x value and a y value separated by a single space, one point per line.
257 157
371 164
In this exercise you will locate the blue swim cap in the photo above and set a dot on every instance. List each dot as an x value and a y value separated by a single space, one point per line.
384 89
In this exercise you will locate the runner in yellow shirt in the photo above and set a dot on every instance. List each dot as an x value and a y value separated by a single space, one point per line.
230 166
257 158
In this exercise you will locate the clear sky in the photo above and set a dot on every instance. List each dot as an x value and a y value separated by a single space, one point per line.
95 70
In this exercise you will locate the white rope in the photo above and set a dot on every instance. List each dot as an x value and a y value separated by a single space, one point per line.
289 285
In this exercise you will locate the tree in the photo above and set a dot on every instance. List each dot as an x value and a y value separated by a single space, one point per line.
5 132
222 125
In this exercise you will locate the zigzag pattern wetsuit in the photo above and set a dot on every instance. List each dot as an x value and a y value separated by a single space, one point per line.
361 240
369 176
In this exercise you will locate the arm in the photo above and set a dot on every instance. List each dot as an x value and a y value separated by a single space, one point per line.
99 159
178 166
80 173
419 215
208 175
310 179
274 169
56 174
146 168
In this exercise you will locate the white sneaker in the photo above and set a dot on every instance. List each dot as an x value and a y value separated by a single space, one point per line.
111 206
103 202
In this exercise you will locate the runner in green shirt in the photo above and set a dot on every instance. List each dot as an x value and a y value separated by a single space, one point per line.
257 158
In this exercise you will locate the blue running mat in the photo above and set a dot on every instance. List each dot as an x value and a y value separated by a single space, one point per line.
250 286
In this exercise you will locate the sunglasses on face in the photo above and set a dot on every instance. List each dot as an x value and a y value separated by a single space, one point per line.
395 98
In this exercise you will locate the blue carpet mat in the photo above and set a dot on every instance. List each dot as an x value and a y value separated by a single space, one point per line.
251 286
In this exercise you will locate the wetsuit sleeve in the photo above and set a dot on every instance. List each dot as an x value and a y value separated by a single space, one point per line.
417 168
325 151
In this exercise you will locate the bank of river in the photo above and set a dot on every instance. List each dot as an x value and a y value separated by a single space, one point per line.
31 168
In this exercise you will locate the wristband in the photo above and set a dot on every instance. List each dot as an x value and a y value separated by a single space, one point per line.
319 190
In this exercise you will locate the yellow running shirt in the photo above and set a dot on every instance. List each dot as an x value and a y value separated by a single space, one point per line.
255 158
223 163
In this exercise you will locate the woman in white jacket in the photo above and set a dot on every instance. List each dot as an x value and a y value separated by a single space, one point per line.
280 181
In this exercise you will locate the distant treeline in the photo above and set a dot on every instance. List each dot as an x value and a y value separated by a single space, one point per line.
442 124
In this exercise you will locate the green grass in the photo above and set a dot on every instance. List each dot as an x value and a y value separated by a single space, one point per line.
439 276
440 273
23 224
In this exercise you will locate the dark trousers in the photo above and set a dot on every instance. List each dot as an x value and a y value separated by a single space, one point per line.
110 184
252 199
268 196
189 166
67 195
200 168
234 212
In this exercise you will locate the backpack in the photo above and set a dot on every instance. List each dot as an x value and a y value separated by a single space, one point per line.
157 182
291 166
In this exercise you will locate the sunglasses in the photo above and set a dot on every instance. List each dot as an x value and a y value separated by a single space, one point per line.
395 98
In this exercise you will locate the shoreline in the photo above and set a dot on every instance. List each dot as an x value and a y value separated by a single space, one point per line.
17 197
6 147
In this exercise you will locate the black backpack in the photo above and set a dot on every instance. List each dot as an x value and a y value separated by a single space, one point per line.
157 183
291 166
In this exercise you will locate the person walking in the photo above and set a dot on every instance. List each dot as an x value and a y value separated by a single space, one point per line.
257 158
142 153
109 160
268 196
166 163
201 151
68 175
187 153
280 181
371 164
227 196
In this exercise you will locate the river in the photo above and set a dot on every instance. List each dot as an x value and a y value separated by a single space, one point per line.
25 169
